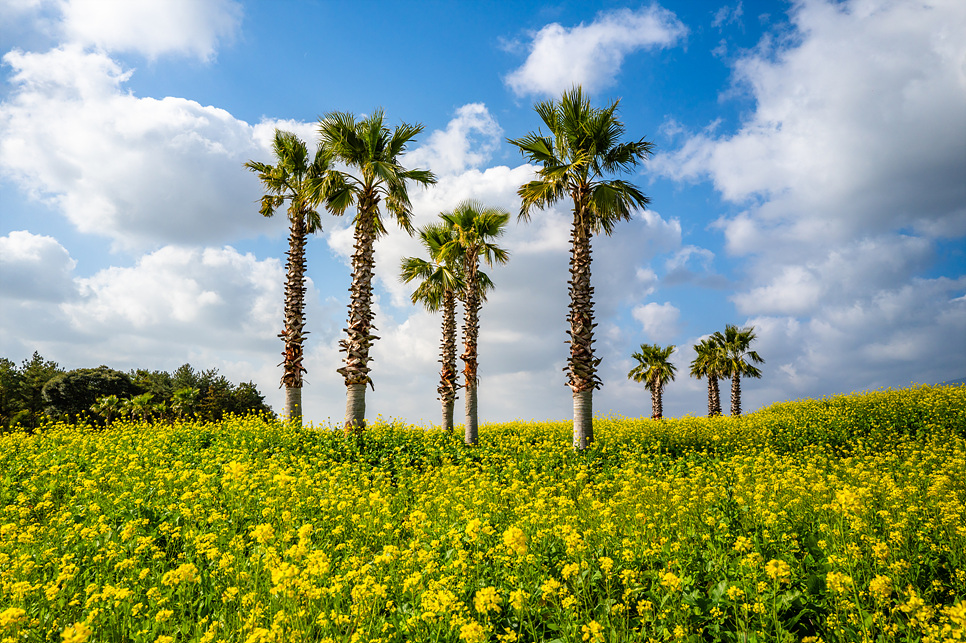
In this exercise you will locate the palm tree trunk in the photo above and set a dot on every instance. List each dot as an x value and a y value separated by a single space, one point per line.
293 403
736 395
359 332
471 331
656 403
583 419
582 367
714 396
355 407
448 374
471 432
293 333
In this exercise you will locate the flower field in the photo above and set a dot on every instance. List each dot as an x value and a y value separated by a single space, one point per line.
841 519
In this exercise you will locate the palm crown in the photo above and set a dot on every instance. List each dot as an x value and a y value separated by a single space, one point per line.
583 148
369 146
653 367
296 178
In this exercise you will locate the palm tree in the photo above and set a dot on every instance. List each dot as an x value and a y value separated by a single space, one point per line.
184 401
583 148
654 369
736 343
709 363
108 407
368 146
440 283
472 227
301 180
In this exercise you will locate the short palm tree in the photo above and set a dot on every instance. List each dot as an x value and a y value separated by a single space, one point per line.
185 400
655 370
472 228
299 179
370 148
736 343
108 407
709 362
583 148
440 282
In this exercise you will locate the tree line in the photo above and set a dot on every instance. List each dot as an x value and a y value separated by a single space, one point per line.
38 390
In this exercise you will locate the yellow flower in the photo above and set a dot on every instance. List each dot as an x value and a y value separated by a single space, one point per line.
778 570
742 544
487 600
164 639
11 616
518 599
263 533
671 581
881 587
76 633
473 632
735 592
838 582
592 632
163 615
516 540
186 573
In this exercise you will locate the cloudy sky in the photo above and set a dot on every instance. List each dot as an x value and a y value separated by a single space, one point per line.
809 180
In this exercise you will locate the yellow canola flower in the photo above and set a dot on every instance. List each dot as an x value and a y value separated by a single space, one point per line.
263 533
473 632
487 600
185 573
76 633
881 587
11 616
671 581
516 540
592 632
778 570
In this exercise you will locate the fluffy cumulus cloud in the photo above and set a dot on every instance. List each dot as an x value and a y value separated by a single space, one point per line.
468 141
151 28
658 320
140 171
846 176
591 54
35 268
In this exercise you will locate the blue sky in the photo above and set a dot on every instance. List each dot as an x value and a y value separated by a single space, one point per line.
809 179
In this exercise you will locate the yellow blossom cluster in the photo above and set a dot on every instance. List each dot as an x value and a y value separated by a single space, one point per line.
822 520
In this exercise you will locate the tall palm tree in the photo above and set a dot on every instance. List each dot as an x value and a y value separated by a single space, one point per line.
299 179
581 151
370 148
709 363
654 369
736 343
472 228
440 283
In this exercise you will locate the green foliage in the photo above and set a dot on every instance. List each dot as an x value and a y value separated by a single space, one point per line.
39 390
69 394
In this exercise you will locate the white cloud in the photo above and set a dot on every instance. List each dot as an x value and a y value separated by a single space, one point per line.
859 129
35 268
152 27
468 141
591 55
140 171
660 321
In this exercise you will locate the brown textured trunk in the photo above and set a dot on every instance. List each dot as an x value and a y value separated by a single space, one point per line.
657 408
448 375
359 337
581 366
293 334
736 394
471 332
714 396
